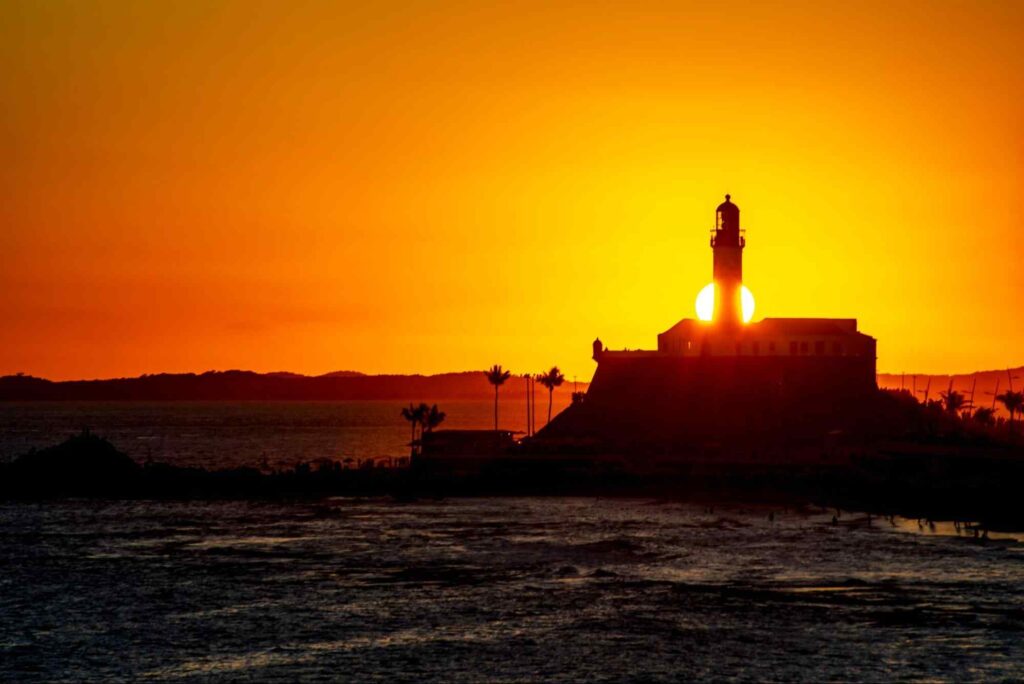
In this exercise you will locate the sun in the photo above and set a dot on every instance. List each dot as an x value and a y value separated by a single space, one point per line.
706 303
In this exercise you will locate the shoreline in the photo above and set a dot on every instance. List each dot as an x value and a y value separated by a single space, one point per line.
951 488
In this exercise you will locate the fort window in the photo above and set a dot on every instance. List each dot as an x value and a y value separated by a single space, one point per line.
689 345
755 348
771 347
819 348
739 348
803 347
837 348
792 348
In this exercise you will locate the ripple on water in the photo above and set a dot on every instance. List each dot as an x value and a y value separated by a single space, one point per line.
499 589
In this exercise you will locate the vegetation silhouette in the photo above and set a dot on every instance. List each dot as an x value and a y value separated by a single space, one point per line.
432 418
497 376
427 418
551 379
413 414
985 416
953 401
1012 401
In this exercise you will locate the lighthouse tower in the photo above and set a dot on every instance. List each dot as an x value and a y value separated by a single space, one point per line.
727 243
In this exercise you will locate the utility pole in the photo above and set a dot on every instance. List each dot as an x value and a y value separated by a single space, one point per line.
995 394
927 389
526 376
533 415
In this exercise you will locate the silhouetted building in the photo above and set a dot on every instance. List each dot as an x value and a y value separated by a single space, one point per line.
724 379
727 336
465 442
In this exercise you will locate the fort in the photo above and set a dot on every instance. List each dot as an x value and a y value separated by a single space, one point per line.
722 379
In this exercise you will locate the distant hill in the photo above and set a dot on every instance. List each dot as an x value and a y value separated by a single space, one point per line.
987 384
238 385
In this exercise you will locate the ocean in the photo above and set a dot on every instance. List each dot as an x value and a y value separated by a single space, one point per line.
470 590
504 590
230 434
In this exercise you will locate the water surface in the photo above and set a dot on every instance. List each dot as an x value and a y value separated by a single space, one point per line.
220 434
498 590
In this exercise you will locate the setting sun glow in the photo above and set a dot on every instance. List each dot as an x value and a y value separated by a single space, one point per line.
706 303
426 187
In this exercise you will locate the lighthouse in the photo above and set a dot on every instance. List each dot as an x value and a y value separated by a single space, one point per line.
727 243
714 379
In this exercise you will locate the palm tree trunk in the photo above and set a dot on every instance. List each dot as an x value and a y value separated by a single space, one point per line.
412 442
533 415
551 393
527 407
495 408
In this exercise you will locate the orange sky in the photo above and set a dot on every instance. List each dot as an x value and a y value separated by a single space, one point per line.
423 187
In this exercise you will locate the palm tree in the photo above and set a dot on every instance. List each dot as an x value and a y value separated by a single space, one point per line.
1013 401
421 419
953 401
552 379
497 377
413 414
985 416
432 417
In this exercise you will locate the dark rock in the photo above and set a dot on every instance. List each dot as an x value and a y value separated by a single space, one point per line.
84 465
